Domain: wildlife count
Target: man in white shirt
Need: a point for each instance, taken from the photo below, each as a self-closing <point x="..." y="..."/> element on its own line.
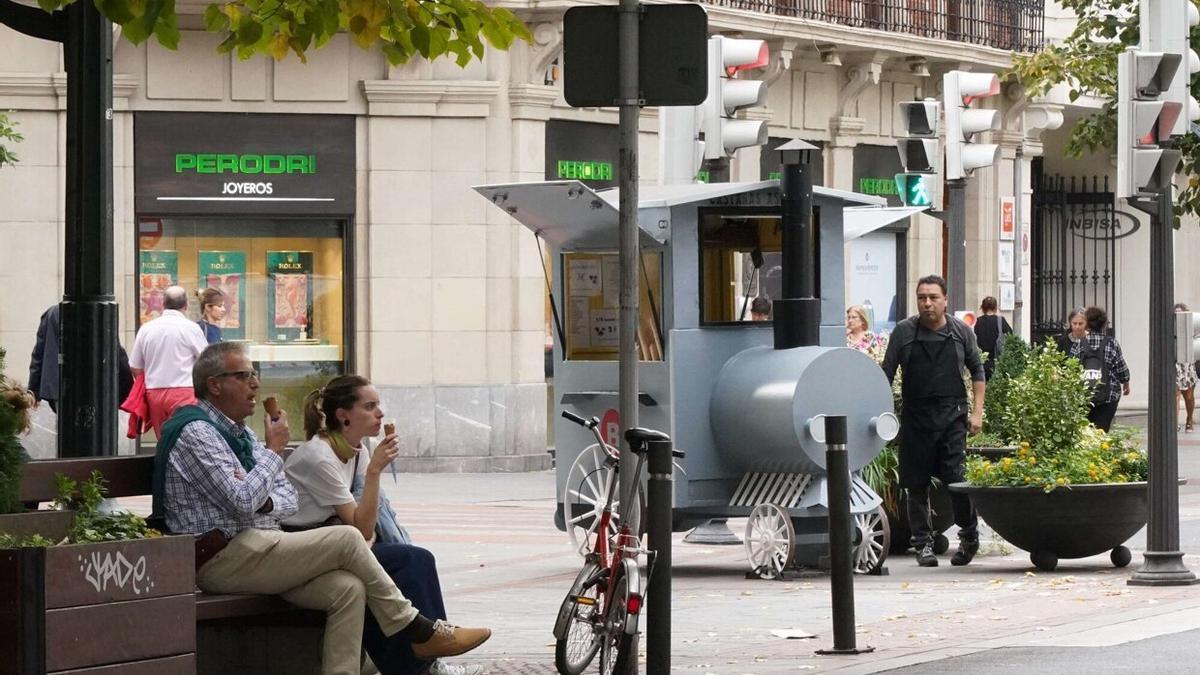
<point x="165" y="351"/>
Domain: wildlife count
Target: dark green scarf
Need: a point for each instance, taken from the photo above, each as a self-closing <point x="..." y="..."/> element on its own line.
<point x="171" y="429"/>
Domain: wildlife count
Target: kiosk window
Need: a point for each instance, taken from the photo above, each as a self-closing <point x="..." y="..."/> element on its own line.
<point x="283" y="281"/>
<point x="740" y="267"/>
<point x="592" y="303"/>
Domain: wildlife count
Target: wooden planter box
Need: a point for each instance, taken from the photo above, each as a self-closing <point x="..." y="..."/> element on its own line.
<point x="117" y="608"/>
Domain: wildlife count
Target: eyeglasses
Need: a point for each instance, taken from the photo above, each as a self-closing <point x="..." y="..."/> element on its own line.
<point x="242" y="375"/>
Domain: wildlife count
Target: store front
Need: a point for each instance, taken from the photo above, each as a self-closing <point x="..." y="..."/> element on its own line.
<point x="260" y="207"/>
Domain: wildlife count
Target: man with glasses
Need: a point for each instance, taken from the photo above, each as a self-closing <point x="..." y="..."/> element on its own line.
<point x="213" y="478"/>
<point x="164" y="352"/>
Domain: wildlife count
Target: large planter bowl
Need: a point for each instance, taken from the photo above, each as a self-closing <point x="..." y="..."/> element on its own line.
<point x="1070" y="522"/>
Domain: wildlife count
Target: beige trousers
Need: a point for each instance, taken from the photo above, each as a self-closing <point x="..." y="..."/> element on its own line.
<point x="329" y="568"/>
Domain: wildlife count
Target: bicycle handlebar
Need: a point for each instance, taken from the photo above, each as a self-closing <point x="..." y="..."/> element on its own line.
<point x="586" y="424"/>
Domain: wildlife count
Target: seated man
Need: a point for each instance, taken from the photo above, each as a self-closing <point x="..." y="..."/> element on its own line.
<point x="214" y="477"/>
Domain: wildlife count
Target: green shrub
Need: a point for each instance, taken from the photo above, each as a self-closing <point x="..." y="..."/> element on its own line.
<point x="1009" y="365"/>
<point x="1047" y="403"/>
<point x="1096" y="457"/>
<point x="14" y="402"/>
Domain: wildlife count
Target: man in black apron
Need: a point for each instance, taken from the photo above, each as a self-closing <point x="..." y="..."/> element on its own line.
<point x="932" y="349"/>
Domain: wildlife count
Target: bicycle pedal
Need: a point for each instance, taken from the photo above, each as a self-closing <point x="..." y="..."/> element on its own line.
<point x="583" y="600"/>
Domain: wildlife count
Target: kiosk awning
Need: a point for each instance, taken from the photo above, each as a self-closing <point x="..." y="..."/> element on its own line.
<point x="860" y="220"/>
<point x="565" y="213"/>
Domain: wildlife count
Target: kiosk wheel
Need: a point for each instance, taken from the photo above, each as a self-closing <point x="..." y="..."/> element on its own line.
<point x="770" y="541"/>
<point x="873" y="541"/>
<point x="584" y="495"/>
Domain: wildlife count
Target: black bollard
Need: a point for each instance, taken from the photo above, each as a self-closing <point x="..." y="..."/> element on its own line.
<point x="841" y="570"/>
<point x="659" y="495"/>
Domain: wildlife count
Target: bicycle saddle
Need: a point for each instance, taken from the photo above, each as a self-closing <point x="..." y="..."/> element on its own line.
<point x="639" y="437"/>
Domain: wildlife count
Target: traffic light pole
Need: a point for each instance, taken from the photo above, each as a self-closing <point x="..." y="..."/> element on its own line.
<point x="955" y="218"/>
<point x="629" y="103"/>
<point x="1163" y="561"/>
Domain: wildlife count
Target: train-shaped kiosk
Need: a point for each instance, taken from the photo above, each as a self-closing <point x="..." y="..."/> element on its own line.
<point x="748" y="415"/>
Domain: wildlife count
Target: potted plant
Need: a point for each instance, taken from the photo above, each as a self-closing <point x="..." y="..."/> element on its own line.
<point x="81" y="588"/>
<point x="1069" y="490"/>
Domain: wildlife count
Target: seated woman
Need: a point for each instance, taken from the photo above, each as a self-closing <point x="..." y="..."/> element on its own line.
<point x="337" y="421"/>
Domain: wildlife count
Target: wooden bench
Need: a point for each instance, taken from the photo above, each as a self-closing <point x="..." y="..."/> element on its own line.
<point x="234" y="633"/>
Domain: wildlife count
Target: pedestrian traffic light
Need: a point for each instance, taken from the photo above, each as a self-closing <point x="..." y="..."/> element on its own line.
<point x="1165" y="27"/>
<point x="960" y="89"/>
<point x="914" y="188"/>
<point x="727" y="94"/>
<point x="919" y="149"/>
<point x="1143" y="118"/>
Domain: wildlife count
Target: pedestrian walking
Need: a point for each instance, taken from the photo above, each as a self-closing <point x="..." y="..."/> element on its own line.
<point x="164" y="352"/>
<point x="1185" y="384"/>
<point x="934" y="349"/>
<point x="1104" y="366"/>
<point x="990" y="331"/>
<point x="43" y="362"/>
<point x="212" y="313"/>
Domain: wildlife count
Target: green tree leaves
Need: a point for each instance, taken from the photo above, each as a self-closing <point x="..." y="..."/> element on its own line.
<point x="8" y="133"/>
<point x="400" y="29"/>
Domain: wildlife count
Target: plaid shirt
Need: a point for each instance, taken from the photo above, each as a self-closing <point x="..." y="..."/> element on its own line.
<point x="206" y="486"/>
<point x="1118" y="371"/>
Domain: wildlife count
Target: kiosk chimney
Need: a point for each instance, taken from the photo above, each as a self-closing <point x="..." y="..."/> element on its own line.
<point x="798" y="312"/>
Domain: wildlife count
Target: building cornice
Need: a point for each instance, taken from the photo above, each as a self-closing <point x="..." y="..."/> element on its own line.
<point x="430" y="98"/>
<point x="532" y="101"/>
<point x="48" y="91"/>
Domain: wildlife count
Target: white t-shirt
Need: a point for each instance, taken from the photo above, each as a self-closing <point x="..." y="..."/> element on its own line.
<point x="321" y="479"/>
<point x="167" y="348"/>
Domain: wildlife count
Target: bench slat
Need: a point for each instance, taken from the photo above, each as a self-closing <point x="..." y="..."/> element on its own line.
<point x="125" y="476"/>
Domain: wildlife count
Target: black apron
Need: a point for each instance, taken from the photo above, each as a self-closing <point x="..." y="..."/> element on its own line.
<point x="934" y="416"/>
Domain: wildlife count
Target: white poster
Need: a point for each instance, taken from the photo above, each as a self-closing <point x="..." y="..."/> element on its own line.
<point x="584" y="277"/>
<point x="1007" y="260"/>
<point x="578" y="323"/>
<point x="873" y="278"/>
<point x="1008" y="297"/>
<point x="612" y="281"/>
<point x="604" y="328"/>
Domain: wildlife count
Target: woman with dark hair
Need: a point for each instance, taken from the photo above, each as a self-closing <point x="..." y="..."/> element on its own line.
<point x="1076" y="329"/>
<point x="1104" y="365"/>
<point x="1185" y="383"/>
<point x="988" y="329"/>
<point x="212" y="312"/>
<point x="338" y="420"/>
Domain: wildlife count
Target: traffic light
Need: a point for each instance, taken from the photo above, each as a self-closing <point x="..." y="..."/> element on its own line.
<point x="915" y="188"/>
<point x="919" y="154"/>
<point x="727" y="94"/>
<point x="960" y="90"/>
<point x="1143" y="119"/>
<point x="1165" y="27"/>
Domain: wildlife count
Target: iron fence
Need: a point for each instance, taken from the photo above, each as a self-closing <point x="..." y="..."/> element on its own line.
<point x="1015" y="25"/>
<point x="1074" y="248"/>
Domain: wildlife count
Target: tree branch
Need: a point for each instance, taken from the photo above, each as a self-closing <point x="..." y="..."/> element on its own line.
<point x="32" y="21"/>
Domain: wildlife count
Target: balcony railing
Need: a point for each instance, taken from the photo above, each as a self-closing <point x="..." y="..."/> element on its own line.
<point x="1015" y="25"/>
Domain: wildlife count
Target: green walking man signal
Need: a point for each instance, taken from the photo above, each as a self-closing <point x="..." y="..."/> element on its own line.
<point x="913" y="188"/>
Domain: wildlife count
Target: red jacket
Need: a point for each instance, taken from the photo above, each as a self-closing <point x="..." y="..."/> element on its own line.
<point x="138" y="408"/>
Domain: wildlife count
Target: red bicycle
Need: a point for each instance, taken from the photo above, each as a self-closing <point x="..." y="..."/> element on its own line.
<point x="601" y="611"/>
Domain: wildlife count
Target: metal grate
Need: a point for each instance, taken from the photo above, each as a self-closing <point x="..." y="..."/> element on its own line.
<point x="784" y="489"/>
<point x="1075" y="228"/>
<point x="1016" y="25"/>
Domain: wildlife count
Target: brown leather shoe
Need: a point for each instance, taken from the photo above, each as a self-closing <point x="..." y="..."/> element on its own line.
<point x="450" y="640"/>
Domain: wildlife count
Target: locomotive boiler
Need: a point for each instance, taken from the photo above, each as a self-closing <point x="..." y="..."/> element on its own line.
<point x="744" y="398"/>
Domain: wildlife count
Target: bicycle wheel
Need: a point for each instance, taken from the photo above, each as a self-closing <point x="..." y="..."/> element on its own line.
<point x="584" y="494"/>
<point x="618" y="649"/>
<point x="577" y="635"/>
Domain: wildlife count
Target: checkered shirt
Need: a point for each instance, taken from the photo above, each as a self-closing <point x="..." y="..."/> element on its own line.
<point x="206" y="486"/>
<point x="1118" y="370"/>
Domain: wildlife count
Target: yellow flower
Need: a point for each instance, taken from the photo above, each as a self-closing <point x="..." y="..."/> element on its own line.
<point x="1062" y="480"/>
<point x="1104" y="445"/>
<point x="1032" y="461"/>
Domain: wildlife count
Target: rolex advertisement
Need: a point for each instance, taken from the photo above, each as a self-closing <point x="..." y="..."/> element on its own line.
<point x="226" y="272"/>
<point x="240" y="163"/>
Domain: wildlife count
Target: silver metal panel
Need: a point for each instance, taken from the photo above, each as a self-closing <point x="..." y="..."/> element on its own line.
<point x="568" y="214"/>
<point x="763" y="400"/>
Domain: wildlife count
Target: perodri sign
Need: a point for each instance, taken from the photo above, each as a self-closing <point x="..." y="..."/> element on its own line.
<point x="1106" y="226"/>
